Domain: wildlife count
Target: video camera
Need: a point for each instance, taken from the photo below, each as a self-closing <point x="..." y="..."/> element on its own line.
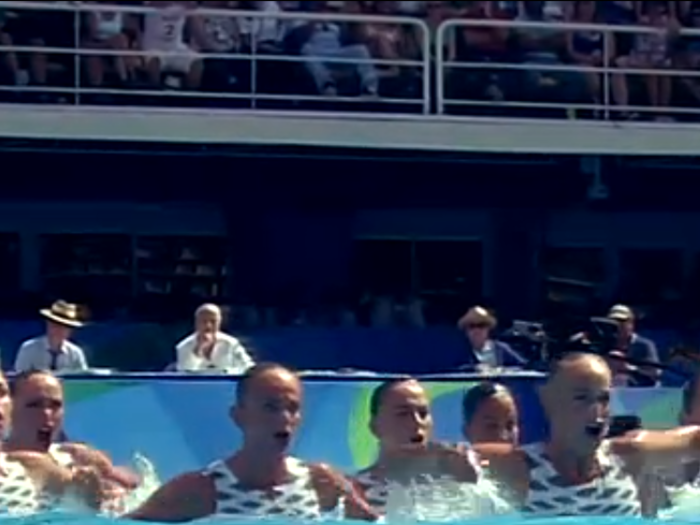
<point x="540" y="343"/>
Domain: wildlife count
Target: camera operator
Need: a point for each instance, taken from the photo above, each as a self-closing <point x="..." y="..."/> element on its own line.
<point x="632" y="346"/>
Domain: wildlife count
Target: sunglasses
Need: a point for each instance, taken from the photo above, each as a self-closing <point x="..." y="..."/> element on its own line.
<point x="473" y="326"/>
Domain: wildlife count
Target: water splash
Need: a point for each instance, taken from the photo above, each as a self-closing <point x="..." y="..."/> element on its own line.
<point x="443" y="500"/>
<point x="150" y="482"/>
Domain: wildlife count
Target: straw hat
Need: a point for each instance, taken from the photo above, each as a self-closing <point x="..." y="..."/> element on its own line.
<point x="621" y="312"/>
<point x="477" y="315"/>
<point x="62" y="313"/>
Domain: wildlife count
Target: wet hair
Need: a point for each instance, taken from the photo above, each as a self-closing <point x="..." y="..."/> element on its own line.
<point x="477" y="395"/>
<point x="253" y="372"/>
<point x="689" y="393"/>
<point x="557" y="365"/>
<point x="23" y="377"/>
<point x="380" y="392"/>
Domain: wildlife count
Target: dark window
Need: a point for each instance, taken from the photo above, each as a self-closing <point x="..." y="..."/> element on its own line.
<point x="651" y="281"/>
<point x="93" y="270"/>
<point x="383" y="267"/>
<point x="449" y="278"/>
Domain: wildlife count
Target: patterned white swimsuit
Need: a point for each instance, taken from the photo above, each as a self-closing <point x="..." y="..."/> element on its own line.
<point x="296" y="499"/>
<point x="614" y="493"/>
<point x="18" y="493"/>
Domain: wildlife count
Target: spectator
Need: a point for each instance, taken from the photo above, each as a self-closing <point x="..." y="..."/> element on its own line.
<point x="652" y="51"/>
<point x="632" y="345"/>
<point x="54" y="351"/>
<point x="328" y="40"/>
<point x="587" y="48"/>
<point x="108" y="30"/>
<point x="9" y="67"/>
<point x="210" y="349"/>
<point x="164" y="34"/>
<point x="485" y="352"/>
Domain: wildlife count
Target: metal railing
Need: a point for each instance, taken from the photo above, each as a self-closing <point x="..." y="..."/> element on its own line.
<point x="610" y="67"/>
<point x="254" y="56"/>
<point x="436" y="72"/>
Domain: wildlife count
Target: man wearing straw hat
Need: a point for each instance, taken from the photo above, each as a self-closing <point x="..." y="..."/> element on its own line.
<point x="54" y="351"/>
<point x="485" y="352"/>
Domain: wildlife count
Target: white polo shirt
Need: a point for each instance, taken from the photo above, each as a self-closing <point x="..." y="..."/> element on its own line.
<point x="228" y="355"/>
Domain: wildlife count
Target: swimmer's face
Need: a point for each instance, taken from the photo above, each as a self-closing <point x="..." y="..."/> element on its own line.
<point x="271" y="411"/>
<point x="38" y="407"/>
<point x="207" y="323"/>
<point x="403" y="417"/>
<point x="495" y="421"/>
<point x="577" y="398"/>
<point x="5" y="405"/>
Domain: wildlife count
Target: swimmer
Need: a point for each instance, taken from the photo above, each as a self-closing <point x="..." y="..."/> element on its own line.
<point x="29" y="481"/>
<point x="402" y="423"/>
<point x="577" y="471"/>
<point x="490" y="415"/>
<point x="261" y="478"/>
<point x="37" y="423"/>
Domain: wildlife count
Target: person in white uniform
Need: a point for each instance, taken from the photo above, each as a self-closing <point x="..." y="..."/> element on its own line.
<point x="577" y="470"/>
<point x="31" y="481"/>
<point x="261" y="479"/>
<point x="164" y="40"/>
<point x="208" y="348"/>
<point x="54" y="351"/>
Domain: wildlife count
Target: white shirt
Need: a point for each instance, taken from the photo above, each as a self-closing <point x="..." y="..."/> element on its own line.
<point x="228" y="355"/>
<point x="264" y="29"/>
<point x="35" y="354"/>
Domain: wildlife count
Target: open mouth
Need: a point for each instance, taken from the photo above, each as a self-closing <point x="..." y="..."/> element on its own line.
<point x="417" y="439"/>
<point x="283" y="435"/>
<point x="45" y="436"/>
<point x="597" y="429"/>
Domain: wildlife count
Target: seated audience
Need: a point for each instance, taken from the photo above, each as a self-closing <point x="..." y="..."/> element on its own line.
<point x="53" y="351"/>
<point x="208" y="348"/>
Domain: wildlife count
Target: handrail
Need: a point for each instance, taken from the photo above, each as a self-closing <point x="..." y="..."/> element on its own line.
<point x="606" y="71"/>
<point x="79" y="7"/>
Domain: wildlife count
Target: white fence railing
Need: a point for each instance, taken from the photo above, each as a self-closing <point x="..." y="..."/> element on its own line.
<point x="435" y="67"/>
<point x="254" y="55"/>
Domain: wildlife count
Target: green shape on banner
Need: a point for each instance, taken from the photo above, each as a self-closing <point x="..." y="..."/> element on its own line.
<point x="361" y="442"/>
<point x="662" y="413"/>
<point x="77" y="391"/>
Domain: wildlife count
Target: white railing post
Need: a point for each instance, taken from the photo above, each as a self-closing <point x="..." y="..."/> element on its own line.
<point x="439" y="66"/>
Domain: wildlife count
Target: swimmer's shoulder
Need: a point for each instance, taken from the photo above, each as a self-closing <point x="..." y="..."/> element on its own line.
<point x="187" y="497"/>
<point x="331" y="485"/>
<point x="506" y="463"/>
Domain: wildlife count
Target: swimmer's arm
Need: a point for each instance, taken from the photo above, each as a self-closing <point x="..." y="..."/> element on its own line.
<point x="650" y="449"/>
<point x="55" y="479"/>
<point x="332" y="487"/>
<point x="188" y="497"/>
<point x="85" y="455"/>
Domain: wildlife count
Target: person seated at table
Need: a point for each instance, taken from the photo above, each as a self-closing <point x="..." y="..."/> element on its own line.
<point x="485" y="352"/>
<point x="37" y="425"/>
<point x="401" y="420"/>
<point x="261" y="478"/>
<point x="490" y="415"/>
<point x="54" y="351"/>
<point x="208" y="348"/>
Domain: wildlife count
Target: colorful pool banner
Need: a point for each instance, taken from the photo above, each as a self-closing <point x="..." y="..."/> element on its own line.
<point x="183" y="425"/>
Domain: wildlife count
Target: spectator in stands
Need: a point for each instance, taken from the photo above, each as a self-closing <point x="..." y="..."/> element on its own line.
<point x="490" y="415"/>
<point x="109" y="30"/>
<point x="543" y="47"/>
<point x="587" y="48"/>
<point x="632" y="345"/>
<point x="222" y="36"/>
<point x="686" y="90"/>
<point x="485" y="352"/>
<point x="208" y="348"/>
<point x="164" y="33"/>
<point x="652" y="51"/>
<point x="326" y="41"/>
<point x="54" y="351"/>
<point x="394" y="42"/>
<point x="9" y="67"/>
